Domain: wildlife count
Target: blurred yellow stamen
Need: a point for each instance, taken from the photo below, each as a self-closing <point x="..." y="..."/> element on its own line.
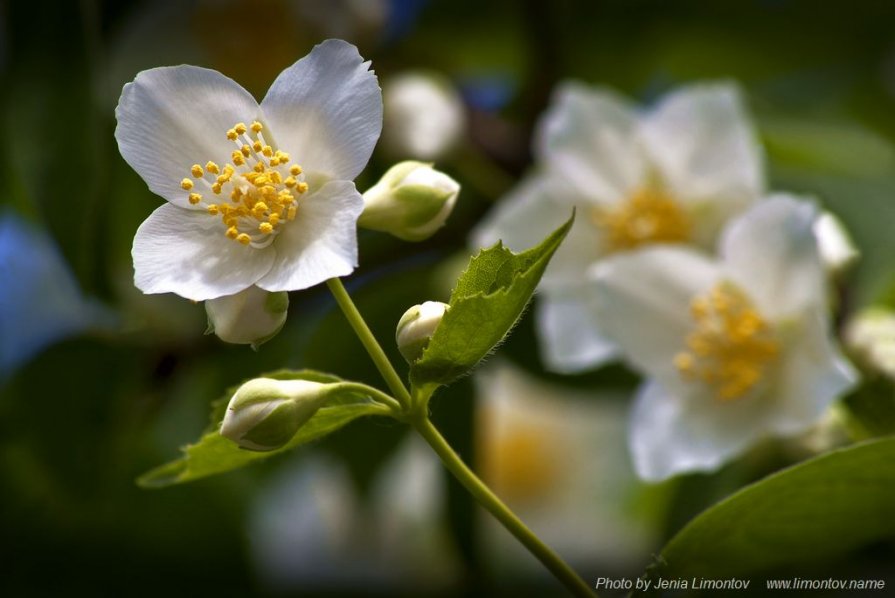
<point x="648" y="216"/>
<point x="731" y="347"/>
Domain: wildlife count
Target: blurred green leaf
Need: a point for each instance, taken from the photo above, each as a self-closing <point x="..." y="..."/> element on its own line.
<point x="825" y="506"/>
<point x="833" y="147"/>
<point x="489" y="298"/>
<point x="871" y="408"/>
<point x="214" y="454"/>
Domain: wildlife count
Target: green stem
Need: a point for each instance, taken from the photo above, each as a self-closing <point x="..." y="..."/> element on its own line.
<point x="366" y="337"/>
<point x="500" y="511"/>
<point x="377" y="395"/>
<point x="448" y="457"/>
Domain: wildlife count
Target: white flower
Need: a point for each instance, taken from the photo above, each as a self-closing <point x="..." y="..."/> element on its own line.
<point x="424" y="116"/>
<point x="557" y="457"/>
<point x="735" y="349"/>
<point x="311" y="529"/>
<point x="269" y="203"/>
<point x="672" y="174"/>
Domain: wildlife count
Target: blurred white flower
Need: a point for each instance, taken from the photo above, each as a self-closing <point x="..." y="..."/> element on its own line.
<point x="241" y="210"/>
<point x="735" y="350"/>
<point x="672" y="174"/>
<point x="870" y="335"/>
<point x="558" y="458"/>
<point x="424" y="115"/>
<point x="837" y="250"/>
<point x="310" y="530"/>
<point x="250" y="317"/>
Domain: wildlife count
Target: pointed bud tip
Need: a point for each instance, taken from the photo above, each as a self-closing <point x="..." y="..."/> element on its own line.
<point x="264" y="413"/>
<point x="417" y="326"/>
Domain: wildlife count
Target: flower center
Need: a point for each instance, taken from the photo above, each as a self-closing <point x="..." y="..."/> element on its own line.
<point x="255" y="194"/>
<point x="731" y="346"/>
<point x="647" y="216"/>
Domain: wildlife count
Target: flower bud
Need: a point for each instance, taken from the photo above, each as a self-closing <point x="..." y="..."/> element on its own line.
<point x="417" y="326"/>
<point x="423" y="116"/>
<point x="870" y="336"/>
<point x="250" y="317"/>
<point x="837" y="251"/>
<point x="264" y="414"/>
<point x="411" y="201"/>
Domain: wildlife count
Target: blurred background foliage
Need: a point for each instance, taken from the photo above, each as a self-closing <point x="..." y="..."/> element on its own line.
<point x="98" y="383"/>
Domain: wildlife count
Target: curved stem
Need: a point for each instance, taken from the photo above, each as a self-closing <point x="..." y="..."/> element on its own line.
<point x="366" y="337"/>
<point x="449" y="458"/>
<point x="377" y="395"/>
<point x="500" y="511"/>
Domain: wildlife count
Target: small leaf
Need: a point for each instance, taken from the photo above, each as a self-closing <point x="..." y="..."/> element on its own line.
<point x="489" y="297"/>
<point x="827" y="505"/>
<point x="214" y="454"/>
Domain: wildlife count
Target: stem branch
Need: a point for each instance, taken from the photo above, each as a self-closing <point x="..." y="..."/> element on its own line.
<point x="500" y="511"/>
<point x="421" y="422"/>
<point x="366" y="337"/>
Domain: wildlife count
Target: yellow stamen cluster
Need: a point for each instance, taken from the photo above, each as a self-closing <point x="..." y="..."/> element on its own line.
<point x="259" y="188"/>
<point x="731" y="346"/>
<point x="648" y="216"/>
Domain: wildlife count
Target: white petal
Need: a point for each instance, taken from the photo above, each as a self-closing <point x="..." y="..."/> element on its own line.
<point x="571" y="340"/>
<point x="704" y="146"/>
<point x="643" y="302"/>
<point x="320" y="243"/>
<point x="173" y="117"/>
<point x="837" y="250"/>
<point x="671" y="434"/>
<point x="186" y="252"/>
<point x="326" y="110"/>
<point x="534" y="209"/>
<point x="772" y="252"/>
<point x="813" y="375"/>
<point x="589" y="137"/>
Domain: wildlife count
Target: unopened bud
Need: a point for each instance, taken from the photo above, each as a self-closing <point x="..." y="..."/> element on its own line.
<point x="837" y="251"/>
<point x="424" y="116"/>
<point x="870" y="336"/>
<point x="264" y="414"/>
<point x="411" y="201"/>
<point x="417" y="326"/>
<point x="250" y="317"/>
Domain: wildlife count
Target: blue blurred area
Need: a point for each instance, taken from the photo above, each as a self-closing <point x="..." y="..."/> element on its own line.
<point x="40" y="302"/>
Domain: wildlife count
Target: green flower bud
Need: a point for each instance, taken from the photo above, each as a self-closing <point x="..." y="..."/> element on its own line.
<point x="417" y="326"/>
<point x="250" y="317"/>
<point x="411" y="201"/>
<point x="264" y="414"/>
<point x="870" y="337"/>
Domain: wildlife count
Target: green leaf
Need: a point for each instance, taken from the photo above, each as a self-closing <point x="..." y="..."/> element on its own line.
<point x="489" y="298"/>
<point x="214" y="454"/>
<point x="824" y="506"/>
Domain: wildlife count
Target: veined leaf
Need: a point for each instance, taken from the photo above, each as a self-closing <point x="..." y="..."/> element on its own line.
<point x="827" y="505"/>
<point x="214" y="454"/>
<point x="489" y="297"/>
